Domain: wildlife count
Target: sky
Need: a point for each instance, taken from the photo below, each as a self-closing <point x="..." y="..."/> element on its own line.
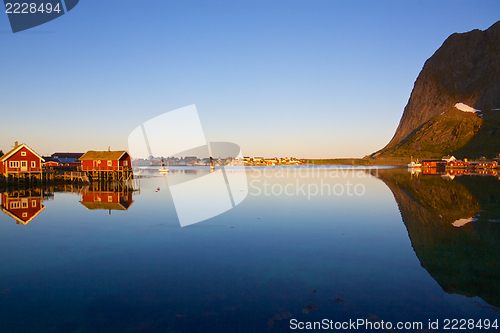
<point x="308" y="79"/>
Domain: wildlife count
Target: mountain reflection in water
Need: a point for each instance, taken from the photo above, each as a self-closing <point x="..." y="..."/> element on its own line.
<point x="451" y="222"/>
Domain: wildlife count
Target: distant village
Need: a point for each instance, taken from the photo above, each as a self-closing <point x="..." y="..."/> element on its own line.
<point x="196" y="161"/>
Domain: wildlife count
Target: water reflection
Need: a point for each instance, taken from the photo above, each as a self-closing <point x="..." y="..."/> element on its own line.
<point x="23" y="205"/>
<point x="452" y="220"/>
<point x="107" y="196"/>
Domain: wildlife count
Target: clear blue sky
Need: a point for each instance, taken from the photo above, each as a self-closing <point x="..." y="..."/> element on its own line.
<point x="279" y="78"/>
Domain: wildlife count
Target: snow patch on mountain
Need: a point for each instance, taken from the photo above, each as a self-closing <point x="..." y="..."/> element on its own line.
<point x="465" y="108"/>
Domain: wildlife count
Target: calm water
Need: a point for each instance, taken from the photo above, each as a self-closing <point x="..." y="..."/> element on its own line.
<point x="324" y="244"/>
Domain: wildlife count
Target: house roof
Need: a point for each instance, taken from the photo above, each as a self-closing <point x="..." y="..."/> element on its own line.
<point x="67" y="155"/>
<point x="69" y="160"/>
<point x="93" y="155"/>
<point x="51" y="159"/>
<point x="20" y="219"/>
<point x="16" y="149"/>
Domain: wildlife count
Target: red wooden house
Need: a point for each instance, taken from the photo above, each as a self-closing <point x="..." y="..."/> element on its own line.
<point x="105" y="161"/>
<point x="24" y="208"/>
<point x="456" y="164"/>
<point x="482" y="164"/>
<point x="21" y="160"/>
<point x="433" y="164"/>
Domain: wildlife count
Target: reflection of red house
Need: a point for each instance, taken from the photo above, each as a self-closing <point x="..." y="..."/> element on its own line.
<point x="458" y="172"/>
<point x="432" y="171"/>
<point x="105" y="161"/>
<point x="21" y="160"/>
<point x="483" y="172"/>
<point x="23" y="209"/>
<point x="108" y="200"/>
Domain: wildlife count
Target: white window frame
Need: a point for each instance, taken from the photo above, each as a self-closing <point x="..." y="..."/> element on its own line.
<point x="110" y="163"/>
<point x="33" y="203"/>
<point x="23" y="153"/>
<point x="15" y="205"/>
<point x="33" y="164"/>
<point x="13" y="164"/>
<point x="125" y="163"/>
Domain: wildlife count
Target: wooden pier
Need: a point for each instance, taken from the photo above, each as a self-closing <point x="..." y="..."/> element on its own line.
<point x="27" y="179"/>
<point x="109" y="175"/>
<point x="75" y="175"/>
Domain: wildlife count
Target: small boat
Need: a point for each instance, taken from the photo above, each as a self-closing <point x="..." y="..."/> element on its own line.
<point x="162" y="169"/>
<point x="413" y="164"/>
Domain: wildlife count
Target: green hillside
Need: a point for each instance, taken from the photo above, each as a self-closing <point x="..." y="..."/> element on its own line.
<point x="452" y="133"/>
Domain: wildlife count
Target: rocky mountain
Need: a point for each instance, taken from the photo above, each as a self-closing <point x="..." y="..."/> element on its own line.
<point x="454" y="107"/>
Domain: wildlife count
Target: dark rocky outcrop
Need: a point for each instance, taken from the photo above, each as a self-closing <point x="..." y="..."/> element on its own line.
<point x="465" y="69"/>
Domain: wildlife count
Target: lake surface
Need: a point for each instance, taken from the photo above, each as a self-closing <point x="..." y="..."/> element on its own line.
<point x="327" y="243"/>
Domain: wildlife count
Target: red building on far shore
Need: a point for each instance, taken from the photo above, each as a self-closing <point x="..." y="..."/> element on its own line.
<point x="482" y="164"/>
<point x="456" y="164"/>
<point x="433" y="164"/>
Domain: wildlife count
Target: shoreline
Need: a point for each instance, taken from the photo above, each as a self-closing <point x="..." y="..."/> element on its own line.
<point x="358" y="161"/>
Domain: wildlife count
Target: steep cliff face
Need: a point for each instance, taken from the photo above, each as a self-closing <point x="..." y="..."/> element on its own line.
<point x="465" y="69"/>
